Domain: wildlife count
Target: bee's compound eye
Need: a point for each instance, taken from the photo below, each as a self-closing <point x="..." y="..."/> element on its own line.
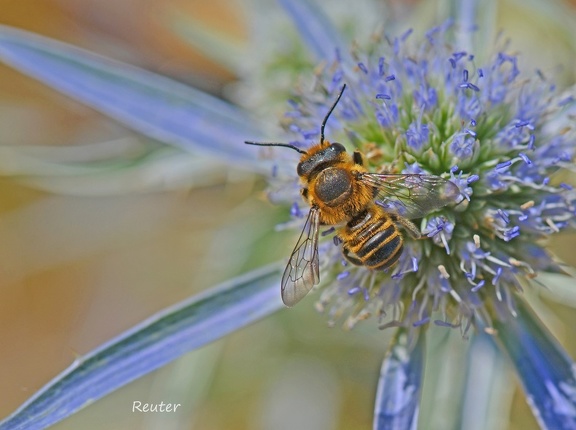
<point x="304" y="168"/>
<point x="338" y="147"/>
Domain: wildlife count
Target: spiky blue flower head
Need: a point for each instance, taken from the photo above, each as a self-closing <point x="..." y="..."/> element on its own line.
<point x="426" y="106"/>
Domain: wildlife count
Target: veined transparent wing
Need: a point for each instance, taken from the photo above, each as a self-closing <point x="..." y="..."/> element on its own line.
<point x="411" y="195"/>
<point x="302" y="271"/>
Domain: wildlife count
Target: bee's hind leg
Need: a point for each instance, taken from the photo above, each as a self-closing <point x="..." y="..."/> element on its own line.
<point x="409" y="226"/>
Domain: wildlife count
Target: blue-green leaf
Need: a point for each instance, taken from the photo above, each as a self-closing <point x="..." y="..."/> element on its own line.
<point x="488" y="390"/>
<point x="547" y="373"/>
<point x="444" y="380"/>
<point x="150" y="104"/>
<point x="399" y="386"/>
<point x="150" y="345"/>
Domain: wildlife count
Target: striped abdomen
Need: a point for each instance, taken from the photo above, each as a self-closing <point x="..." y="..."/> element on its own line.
<point x="373" y="238"/>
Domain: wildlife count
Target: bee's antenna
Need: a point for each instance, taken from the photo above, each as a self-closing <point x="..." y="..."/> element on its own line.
<point x="287" y="145"/>
<point x="329" y="113"/>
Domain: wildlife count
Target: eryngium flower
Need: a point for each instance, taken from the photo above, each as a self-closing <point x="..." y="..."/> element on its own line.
<point x="428" y="107"/>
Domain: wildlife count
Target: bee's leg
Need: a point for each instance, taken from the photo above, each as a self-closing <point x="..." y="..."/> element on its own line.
<point x="358" y="159"/>
<point x="409" y="226"/>
<point x="347" y="255"/>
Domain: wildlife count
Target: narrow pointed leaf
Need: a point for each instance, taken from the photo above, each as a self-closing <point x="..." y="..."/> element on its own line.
<point x="547" y="373"/>
<point x="488" y="389"/>
<point x="103" y="169"/>
<point x="559" y="287"/>
<point x="443" y="384"/>
<point x="318" y="33"/>
<point x="150" y="104"/>
<point x="399" y="386"/>
<point x="150" y="345"/>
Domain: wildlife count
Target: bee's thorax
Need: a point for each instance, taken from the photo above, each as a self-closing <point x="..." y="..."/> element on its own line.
<point x="333" y="185"/>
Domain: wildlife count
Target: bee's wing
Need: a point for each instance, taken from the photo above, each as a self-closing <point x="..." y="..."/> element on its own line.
<point x="411" y="195"/>
<point x="302" y="271"/>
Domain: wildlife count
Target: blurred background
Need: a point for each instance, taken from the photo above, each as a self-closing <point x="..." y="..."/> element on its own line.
<point x="77" y="268"/>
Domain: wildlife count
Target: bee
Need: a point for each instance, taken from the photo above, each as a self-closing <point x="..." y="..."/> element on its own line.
<point x="367" y="208"/>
